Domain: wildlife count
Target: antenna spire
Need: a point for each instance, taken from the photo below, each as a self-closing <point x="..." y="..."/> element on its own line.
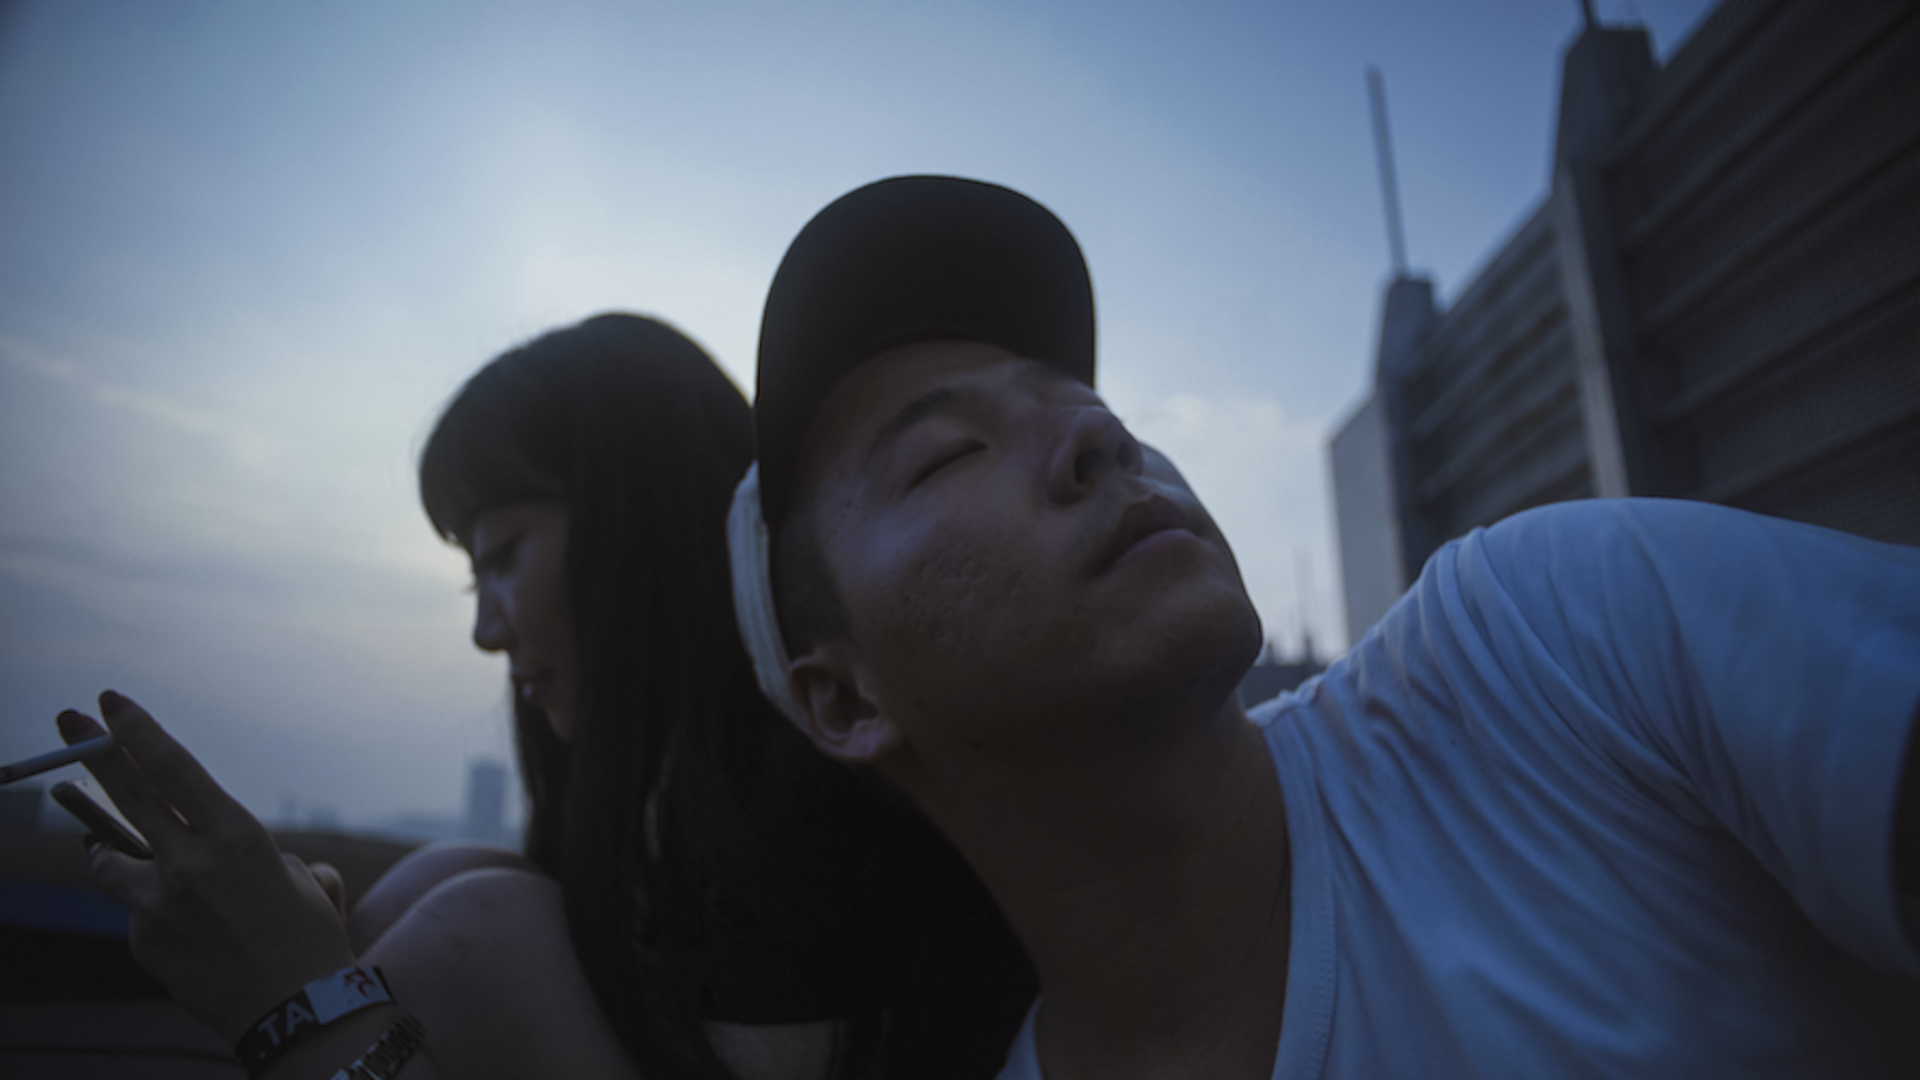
<point x="1389" y="187"/>
<point x="1301" y="575"/>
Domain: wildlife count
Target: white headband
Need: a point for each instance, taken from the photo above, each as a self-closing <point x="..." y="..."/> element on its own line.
<point x="748" y="549"/>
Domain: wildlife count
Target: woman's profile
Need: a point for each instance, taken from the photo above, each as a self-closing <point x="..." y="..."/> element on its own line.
<point x="701" y="893"/>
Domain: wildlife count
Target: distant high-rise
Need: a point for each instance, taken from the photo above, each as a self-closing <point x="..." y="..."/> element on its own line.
<point x="1719" y="299"/>
<point x="486" y="800"/>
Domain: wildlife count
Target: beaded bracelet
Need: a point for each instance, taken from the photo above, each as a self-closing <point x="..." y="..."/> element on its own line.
<point x="310" y="1009"/>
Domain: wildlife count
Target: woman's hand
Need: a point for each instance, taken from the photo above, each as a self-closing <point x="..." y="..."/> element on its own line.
<point x="219" y="915"/>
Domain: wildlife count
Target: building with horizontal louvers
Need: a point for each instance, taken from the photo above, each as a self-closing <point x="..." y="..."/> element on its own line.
<point x="1718" y="299"/>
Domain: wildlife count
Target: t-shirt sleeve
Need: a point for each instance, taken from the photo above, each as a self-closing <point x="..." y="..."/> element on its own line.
<point x="1770" y="671"/>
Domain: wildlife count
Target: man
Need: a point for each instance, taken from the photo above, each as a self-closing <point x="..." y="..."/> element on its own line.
<point x="1612" y="791"/>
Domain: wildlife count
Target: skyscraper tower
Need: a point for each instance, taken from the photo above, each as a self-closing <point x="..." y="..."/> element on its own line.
<point x="486" y="800"/>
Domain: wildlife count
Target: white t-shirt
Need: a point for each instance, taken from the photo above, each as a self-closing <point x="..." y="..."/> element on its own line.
<point x="1609" y="792"/>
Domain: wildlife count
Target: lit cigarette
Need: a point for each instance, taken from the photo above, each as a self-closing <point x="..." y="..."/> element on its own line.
<point x="53" y="759"/>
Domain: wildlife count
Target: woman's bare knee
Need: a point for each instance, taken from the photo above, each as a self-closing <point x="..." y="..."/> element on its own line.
<point x="485" y="962"/>
<point x="413" y="877"/>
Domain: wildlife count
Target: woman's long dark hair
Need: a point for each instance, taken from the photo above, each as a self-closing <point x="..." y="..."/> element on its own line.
<point x="756" y="834"/>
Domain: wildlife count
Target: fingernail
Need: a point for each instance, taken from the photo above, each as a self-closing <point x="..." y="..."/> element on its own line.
<point x="110" y="701"/>
<point x="72" y="724"/>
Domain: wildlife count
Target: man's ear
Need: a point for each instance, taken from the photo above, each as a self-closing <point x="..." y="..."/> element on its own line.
<point x="843" y="721"/>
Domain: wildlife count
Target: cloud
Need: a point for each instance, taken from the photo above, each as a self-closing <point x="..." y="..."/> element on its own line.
<point x="1259" y="428"/>
<point x="244" y="443"/>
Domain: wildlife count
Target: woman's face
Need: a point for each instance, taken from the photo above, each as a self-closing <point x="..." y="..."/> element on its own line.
<point x="519" y="554"/>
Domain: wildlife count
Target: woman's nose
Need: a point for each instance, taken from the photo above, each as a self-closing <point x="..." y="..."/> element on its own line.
<point x="1093" y="444"/>
<point x="492" y="631"/>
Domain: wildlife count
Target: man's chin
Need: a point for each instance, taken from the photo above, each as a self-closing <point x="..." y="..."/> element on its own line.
<point x="1190" y="656"/>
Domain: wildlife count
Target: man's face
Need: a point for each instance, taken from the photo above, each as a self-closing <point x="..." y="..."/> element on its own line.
<point x="1002" y="552"/>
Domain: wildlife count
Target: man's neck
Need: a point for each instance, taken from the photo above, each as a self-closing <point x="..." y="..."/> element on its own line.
<point x="1150" y="886"/>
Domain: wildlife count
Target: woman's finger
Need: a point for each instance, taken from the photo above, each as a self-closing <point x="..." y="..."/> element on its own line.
<point x="121" y="876"/>
<point x="174" y="774"/>
<point x="124" y="782"/>
<point x="101" y="825"/>
<point x="330" y="883"/>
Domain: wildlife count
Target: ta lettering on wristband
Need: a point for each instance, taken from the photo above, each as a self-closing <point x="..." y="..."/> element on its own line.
<point x="300" y="1017"/>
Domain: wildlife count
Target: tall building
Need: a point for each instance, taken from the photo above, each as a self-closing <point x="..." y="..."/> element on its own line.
<point x="486" y="801"/>
<point x="1718" y="299"/>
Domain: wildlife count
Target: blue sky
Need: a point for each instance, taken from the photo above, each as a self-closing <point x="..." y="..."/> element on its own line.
<point x="248" y="250"/>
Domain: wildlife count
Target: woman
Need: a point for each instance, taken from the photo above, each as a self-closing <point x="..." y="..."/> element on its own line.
<point x="588" y="475"/>
<point x="702" y="893"/>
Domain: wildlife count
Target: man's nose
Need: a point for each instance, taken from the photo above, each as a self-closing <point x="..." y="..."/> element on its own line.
<point x="1093" y="444"/>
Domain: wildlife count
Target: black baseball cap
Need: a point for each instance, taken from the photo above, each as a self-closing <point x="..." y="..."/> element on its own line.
<point x="912" y="258"/>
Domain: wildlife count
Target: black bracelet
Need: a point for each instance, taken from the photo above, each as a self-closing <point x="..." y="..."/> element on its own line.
<point x="388" y="1053"/>
<point x="307" y="1012"/>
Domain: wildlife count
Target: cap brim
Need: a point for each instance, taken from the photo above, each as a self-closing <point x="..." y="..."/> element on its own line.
<point x="912" y="258"/>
